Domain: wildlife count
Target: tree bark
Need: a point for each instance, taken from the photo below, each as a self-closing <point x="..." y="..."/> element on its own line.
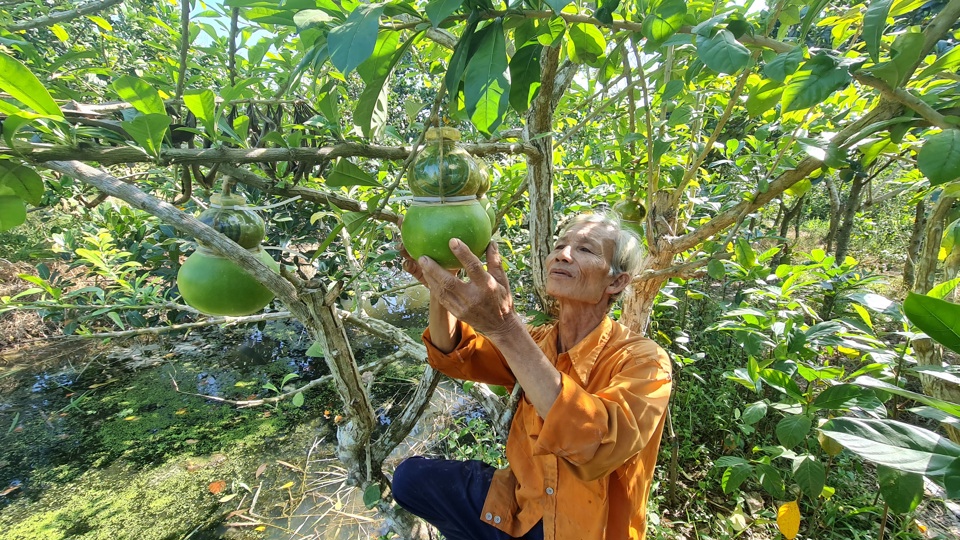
<point x="835" y="213"/>
<point x="913" y="246"/>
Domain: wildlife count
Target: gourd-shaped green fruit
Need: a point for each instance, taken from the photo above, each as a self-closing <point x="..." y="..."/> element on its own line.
<point x="215" y="285"/>
<point x="490" y="210"/>
<point x="228" y="215"/>
<point x="428" y="227"/>
<point x="443" y="168"/>
<point x="483" y="176"/>
<point x="631" y="212"/>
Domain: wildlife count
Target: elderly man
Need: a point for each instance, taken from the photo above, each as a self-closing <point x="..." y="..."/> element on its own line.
<point x="585" y="436"/>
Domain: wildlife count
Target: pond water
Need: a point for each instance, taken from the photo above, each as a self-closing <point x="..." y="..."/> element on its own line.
<point x="124" y="439"/>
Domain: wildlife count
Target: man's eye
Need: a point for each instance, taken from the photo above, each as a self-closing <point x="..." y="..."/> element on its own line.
<point x="586" y="250"/>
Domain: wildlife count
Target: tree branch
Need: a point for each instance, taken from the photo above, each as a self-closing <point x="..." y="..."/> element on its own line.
<point x="61" y="16"/>
<point x="109" y="155"/>
<point x="904" y="97"/>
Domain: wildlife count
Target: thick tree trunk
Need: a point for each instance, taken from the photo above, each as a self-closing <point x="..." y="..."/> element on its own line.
<point x="926" y="350"/>
<point x="835" y="211"/>
<point x="913" y="246"/>
<point x="638" y="302"/>
<point x="845" y="230"/>
<point x="788" y="216"/>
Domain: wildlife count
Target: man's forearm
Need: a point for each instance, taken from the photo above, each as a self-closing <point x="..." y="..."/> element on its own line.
<point x="444" y="330"/>
<point x="539" y="378"/>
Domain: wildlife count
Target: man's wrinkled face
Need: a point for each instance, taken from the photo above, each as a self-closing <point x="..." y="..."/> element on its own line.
<point x="578" y="269"/>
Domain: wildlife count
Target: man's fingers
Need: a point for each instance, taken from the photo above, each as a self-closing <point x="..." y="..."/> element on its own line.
<point x="471" y="264"/>
<point x="495" y="265"/>
<point x="436" y="275"/>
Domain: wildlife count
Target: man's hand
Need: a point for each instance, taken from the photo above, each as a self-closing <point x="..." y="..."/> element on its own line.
<point x="484" y="302"/>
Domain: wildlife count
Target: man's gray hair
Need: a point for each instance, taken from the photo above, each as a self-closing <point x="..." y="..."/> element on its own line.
<point x="628" y="251"/>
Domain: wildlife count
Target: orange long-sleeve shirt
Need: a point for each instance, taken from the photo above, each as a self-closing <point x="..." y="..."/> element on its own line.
<point x="585" y="469"/>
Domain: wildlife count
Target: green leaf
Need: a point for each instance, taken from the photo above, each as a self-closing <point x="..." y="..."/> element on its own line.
<point x="941" y="290"/>
<point x="316" y="350"/>
<point x="371" y="495"/>
<point x="839" y="397"/>
<point x="903" y="491"/>
<point x="901" y="446"/>
<point x="353" y="41"/>
<point x="371" y="111"/>
<point x="461" y="53"/>
<point x="874" y="23"/>
<point x="945" y="406"/>
<point x="754" y="412"/>
<point x="810" y="475"/>
<point x="525" y="76"/>
<point x="345" y="173"/>
<point x="13" y="212"/>
<point x="148" y="131"/>
<point x="24" y="181"/>
<point x="298" y="399"/>
<point x="352" y="221"/>
<point x="784" y="65"/>
<point x="793" y="429"/>
<point x="734" y="476"/>
<point x="604" y="12"/>
<point x="782" y="382"/>
<point x="549" y="34"/>
<point x="203" y="105"/>
<point x="763" y="98"/>
<point x="949" y="62"/>
<point x="312" y="17"/>
<point x="951" y="480"/>
<point x="939" y="157"/>
<point x="722" y="52"/>
<point x="715" y="269"/>
<point x="586" y="44"/>
<point x="115" y="317"/>
<point x="938" y="319"/>
<point x="19" y="82"/>
<point x="486" y="90"/>
<point x="811" y="86"/>
<point x="905" y="52"/>
<point x="664" y="21"/>
<point x="771" y="480"/>
<point x="744" y="253"/>
<point x="438" y="10"/>
<point x="139" y="94"/>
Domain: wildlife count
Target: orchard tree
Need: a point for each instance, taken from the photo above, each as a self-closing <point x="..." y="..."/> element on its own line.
<point x="696" y="120"/>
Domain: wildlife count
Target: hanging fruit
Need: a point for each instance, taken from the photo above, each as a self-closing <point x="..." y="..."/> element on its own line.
<point x="428" y="227"/>
<point x="215" y="285"/>
<point x="443" y="168"/>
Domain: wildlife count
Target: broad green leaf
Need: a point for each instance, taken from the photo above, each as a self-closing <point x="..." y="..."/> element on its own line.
<point x="61" y="33"/>
<point x="771" y="480"/>
<point x="139" y="94"/>
<point x="936" y="414"/>
<point x="346" y="173"/>
<point x="951" y="480"/>
<point x="148" y="131"/>
<point x="744" y="253"/>
<point x="729" y="461"/>
<point x="943" y="289"/>
<point x="819" y="78"/>
<point x="525" y="76"/>
<point x="438" y="10"/>
<point x="784" y="65"/>
<point x="763" y="98"/>
<point x="461" y="53"/>
<point x="715" y="269"/>
<point x="353" y="41"/>
<point x="371" y="495"/>
<point x="903" y="491"/>
<point x="298" y="399"/>
<point x="586" y="44"/>
<point x="874" y="23"/>
<point x="316" y="350"/>
<point x="754" y="412"/>
<point x="101" y="22"/>
<point x="938" y="319"/>
<point x="550" y="33"/>
<point x="605" y="9"/>
<point x="22" y="85"/>
<point x="810" y="475"/>
<point x="722" y="52"/>
<point x="312" y="17"/>
<point x="352" y="221"/>
<point x="898" y="445"/>
<point x="13" y="212"/>
<point x="371" y="111"/>
<point x="734" y="476"/>
<point x="905" y="52"/>
<point x="24" y="181"/>
<point x="945" y="406"/>
<point x="681" y="115"/>
<point x="486" y="90"/>
<point x="939" y="157"/>
<point x="203" y="105"/>
<point x="664" y="21"/>
<point x="793" y="429"/>
<point x="782" y="382"/>
<point x="839" y="397"/>
<point x="949" y="62"/>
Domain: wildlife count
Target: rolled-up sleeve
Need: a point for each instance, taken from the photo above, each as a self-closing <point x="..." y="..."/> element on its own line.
<point x="597" y="431"/>
<point x="474" y="358"/>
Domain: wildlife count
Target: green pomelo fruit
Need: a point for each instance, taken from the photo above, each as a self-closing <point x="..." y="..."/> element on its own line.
<point x="216" y="286"/>
<point x="13" y="212"/>
<point x="631" y="212"/>
<point x="490" y="210"/>
<point x="428" y="228"/>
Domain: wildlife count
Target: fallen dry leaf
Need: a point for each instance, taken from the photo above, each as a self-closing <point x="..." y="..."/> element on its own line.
<point x="217" y="487"/>
<point x="260" y="470"/>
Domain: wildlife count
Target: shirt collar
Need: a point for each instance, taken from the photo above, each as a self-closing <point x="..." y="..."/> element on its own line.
<point x="584" y="354"/>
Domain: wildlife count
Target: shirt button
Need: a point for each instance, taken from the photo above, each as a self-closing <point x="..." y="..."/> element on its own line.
<point x="488" y="517"/>
<point x="496" y="519"/>
<point x="549" y="491"/>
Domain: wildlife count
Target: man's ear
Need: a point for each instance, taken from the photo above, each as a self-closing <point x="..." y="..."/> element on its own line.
<point x="618" y="284"/>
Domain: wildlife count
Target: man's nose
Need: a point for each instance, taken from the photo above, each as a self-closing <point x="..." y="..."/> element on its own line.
<point x="564" y="253"/>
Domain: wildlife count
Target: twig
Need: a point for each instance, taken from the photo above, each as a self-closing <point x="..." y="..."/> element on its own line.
<point x="157" y="330"/>
<point x="62" y="16"/>
<point x="906" y="98"/>
<point x="184" y="46"/>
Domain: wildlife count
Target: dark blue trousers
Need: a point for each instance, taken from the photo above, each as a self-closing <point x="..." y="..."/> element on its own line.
<point x="449" y="495"/>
